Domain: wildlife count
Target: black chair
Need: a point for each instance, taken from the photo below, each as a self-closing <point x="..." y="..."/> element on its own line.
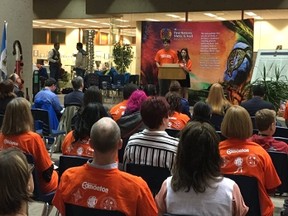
<point x="91" y="79"/>
<point x="37" y="194"/>
<point x="280" y="162"/>
<point x="105" y="85"/>
<point x="173" y="132"/>
<point x="42" y="122"/>
<point x="118" y="84"/>
<point x="281" y="132"/>
<point x="73" y="210"/>
<point x="216" y="120"/>
<point x="221" y="136"/>
<point x="249" y="190"/>
<point x="1" y="120"/>
<point x="135" y="78"/>
<point x="68" y="161"/>
<point x="154" y="176"/>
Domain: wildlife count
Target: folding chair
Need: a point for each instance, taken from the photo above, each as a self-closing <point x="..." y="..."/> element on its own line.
<point x="37" y="194"/>
<point x="280" y="162"/>
<point x="154" y="176"/>
<point x="43" y="127"/>
<point x="281" y="132"/>
<point x="105" y="83"/>
<point x="68" y="161"/>
<point x="73" y="210"/>
<point x="173" y="132"/>
<point x="118" y="84"/>
<point x="249" y="190"/>
<point x="135" y="78"/>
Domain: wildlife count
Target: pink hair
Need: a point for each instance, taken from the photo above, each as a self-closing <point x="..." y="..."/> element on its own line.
<point x="135" y="101"/>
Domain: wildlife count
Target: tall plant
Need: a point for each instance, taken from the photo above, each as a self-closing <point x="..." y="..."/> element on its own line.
<point x="122" y="54"/>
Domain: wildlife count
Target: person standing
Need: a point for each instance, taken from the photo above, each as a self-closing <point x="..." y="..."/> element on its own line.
<point x="42" y="72"/>
<point x="54" y="62"/>
<point x="81" y="60"/>
<point x="165" y="56"/>
<point x="186" y="63"/>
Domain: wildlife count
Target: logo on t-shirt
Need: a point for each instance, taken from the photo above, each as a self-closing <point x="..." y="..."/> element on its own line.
<point x="90" y="186"/>
<point x="91" y="202"/>
<point x="108" y="203"/>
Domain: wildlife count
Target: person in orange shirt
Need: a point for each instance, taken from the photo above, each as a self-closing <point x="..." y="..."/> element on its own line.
<point x="100" y="184"/>
<point x="243" y="157"/>
<point x="17" y="132"/>
<point x="186" y="64"/>
<point x="164" y="56"/>
<point x="119" y="109"/>
<point x="77" y="142"/>
<point x="177" y="120"/>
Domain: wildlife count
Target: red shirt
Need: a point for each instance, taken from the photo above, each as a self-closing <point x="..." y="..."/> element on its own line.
<point x="163" y="56"/>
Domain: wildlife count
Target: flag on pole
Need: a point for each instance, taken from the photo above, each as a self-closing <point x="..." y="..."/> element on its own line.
<point x="3" y="53"/>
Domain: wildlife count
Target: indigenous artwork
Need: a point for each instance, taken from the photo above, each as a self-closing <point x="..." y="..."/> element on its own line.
<point x="220" y="51"/>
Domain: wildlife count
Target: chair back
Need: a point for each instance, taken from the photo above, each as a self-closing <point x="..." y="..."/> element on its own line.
<point x="173" y="132"/>
<point x="68" y="161"/>
<point x="154" y="176"/>
<point x="91" y="79"/>
<point x="281" y="132"/>
<point x="105" y="82"/>
<point x="41" y="121"/>
<point x="216" y="120"/>
<point x="37" y="194"/>
<point x="119" y="80"/>
<point x="249" y="190"/>
<point x="135" y="78"/>
<point x="73" y="210"/>
<point x="280" y="162"/>
<point x="221" y="136"/>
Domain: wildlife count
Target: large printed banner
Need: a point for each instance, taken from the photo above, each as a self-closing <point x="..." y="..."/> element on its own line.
<point x="220" y="51"/>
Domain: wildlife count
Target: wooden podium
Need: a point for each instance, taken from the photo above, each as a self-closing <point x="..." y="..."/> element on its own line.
<point x="171" y="72"/>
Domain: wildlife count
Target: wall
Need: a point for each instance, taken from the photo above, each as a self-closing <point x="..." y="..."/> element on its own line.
<point x="19" y="15"/>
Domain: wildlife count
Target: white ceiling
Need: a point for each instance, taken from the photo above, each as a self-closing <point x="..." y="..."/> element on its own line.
<point x="127" y="22"/>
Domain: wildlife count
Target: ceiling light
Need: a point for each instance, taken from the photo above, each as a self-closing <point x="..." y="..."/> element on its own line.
<point x="40" y="22"/>
<point x="70" y="27"/>
<point x="90" y="20"/>
<point x="173" y="15"/>
<point x="35" y="25"/>
<point x="154" y="20"/>
<point x="80" y="24"/>
<point x="258" y="17"/>
<point x="54" y="24"/>
<point x="106" y="23"/>
<point x="220" y="18"/>
<point x="121" y="20"/>
<point x="47" y="27"/>
<point x="63" y="21"/>
<point x="210" y="14"/>
<point x="249" y="13"/>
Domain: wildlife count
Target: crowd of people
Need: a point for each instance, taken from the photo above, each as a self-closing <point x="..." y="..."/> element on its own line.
<point x="134" y="131"/>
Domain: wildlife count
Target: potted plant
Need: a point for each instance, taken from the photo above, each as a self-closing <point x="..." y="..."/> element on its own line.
<point x="122" y="54"/>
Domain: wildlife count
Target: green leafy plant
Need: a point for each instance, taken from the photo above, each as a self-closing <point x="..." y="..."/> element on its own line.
<point x="122" y="54"/>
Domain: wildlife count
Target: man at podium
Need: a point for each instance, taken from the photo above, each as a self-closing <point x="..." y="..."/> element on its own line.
<point x="165" y="56"/>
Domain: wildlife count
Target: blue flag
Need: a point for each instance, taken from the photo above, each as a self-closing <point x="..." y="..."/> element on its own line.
<point x="3" y="53"/>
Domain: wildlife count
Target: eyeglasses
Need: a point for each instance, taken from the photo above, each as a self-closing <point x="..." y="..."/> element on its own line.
<point x="31" y="167"/>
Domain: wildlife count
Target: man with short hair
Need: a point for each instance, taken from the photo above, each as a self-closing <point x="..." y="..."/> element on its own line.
<point x="152" y="146"/>
<point x="119" y="109"/>
<point x="257" y="102"/>
<point x="265" y="120"/>
<point x="100" y="184"/>
<point x="75" y="98"/>
<point x="54" y="62"/>
<point x="81" y="60"/>
<point x="17" y="82"/>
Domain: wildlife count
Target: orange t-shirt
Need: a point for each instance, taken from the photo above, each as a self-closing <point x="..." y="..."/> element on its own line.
<point x="33" y="144"/>
<point x="80" y="148"/>
<point x="163" y="56"/>
<point x="108" y="188"/>
<point x="118" y="110"/>
<point x="188" y="64"/>
<point x="178" y="121"/>
<point x="242" y="157"/>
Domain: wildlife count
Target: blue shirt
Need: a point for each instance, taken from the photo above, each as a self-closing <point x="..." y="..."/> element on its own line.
<point x="46" y="95"/>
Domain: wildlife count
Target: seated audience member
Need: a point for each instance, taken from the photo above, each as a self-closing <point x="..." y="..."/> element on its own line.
<point x="17" y="131"/>
<point x="116" y="190"/>
<point x="131" y="122"/>
<point x="118" y="110"/>
<point x="265" y="121"/>
<point x="77" y="142"/>
<point x="243" y="157"/>
<point x="6" y="94"/>
<point x="217" y="100"/>
<point x="48" y="100"/>
<point x="17" y="185"/>
<point x="42" y="72"/>
<point x="17" y="82"/>
<point x="153" y="146"/>
<point x="150" y="90"/>
<point x="201" y="112"/>
<point x="75" y="98"/>
<point x="176" y="87"/>
<point x="286" y="114"/>
<point x="197" y="179"/>
<point x="257" y="102"/>
<point x="177" y="120"/>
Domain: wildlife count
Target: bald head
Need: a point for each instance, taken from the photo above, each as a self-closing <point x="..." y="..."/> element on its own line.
<point x="105" y="135"/>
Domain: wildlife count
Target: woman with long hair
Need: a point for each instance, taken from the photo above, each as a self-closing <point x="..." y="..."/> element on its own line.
<point x="17" y="131"/>
<point x="76" y="142"/>
<point x="6" y="94"/>
<point x="17" y="184"/>
<point x="196" y="186"/>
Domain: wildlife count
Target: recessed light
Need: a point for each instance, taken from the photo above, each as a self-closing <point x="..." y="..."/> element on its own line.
<point x="210" y="14"/>
<point x="173" y="15"/>
<point x="121" y="20"/>
<point x="90" y="20"/>
<point x="40" y="22"/>
<point x="150" y="19"/>
<point x="220" y="18"/>
<point x="250" y="13"/>
<point x="63" y="21"/>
